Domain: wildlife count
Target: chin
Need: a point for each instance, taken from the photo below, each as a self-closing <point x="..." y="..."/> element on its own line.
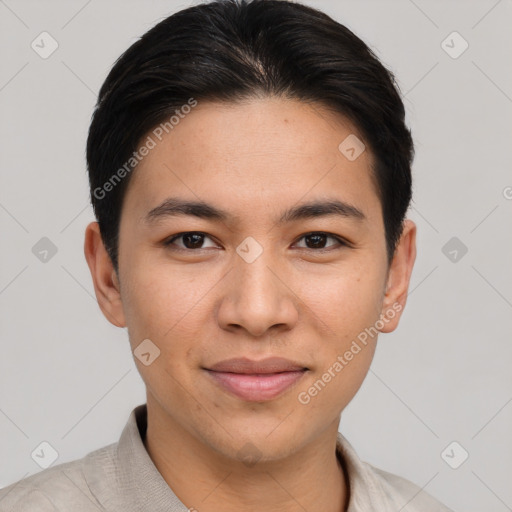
<point x="253" y="442"/>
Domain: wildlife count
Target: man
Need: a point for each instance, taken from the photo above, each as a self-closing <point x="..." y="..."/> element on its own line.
<point x="249" y="169"/>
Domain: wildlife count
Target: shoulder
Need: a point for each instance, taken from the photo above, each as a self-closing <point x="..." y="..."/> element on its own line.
<point x="406" y="495"/>
<point x="60" y="487"/>
<point x="372" y="488"/>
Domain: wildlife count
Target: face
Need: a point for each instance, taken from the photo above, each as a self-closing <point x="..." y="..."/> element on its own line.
<point x="253" y="275"/>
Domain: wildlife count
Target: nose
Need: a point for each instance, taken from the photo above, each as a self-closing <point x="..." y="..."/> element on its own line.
<point x="257" y="298"/>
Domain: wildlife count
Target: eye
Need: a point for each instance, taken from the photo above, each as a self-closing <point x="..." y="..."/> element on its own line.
<point x="192" y="240"/>
<point x="316" y="240"/>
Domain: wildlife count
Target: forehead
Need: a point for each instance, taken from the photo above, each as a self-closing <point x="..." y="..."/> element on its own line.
<point x="272" y="149"/>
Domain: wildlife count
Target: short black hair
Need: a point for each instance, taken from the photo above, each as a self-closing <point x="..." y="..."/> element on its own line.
<point x="232" y="50"/>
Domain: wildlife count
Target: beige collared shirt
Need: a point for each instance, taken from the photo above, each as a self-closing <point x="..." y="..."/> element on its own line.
<point x="122" y="477"/>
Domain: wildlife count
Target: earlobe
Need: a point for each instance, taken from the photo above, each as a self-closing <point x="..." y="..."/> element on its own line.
<point x="399" y="276"/>
<point x="105" y="280"/>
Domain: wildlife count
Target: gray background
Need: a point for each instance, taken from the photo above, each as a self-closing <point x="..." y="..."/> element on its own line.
<point x="67" y="376"/>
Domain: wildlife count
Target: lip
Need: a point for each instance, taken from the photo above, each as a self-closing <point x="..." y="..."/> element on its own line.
<point x="256" y="380"/>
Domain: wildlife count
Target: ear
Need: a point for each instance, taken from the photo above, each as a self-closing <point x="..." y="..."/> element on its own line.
<point x="399" y="275"/>
<point x="105" y="279"/>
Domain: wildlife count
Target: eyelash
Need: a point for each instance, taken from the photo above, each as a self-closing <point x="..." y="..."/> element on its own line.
<point x="341" y="241"/>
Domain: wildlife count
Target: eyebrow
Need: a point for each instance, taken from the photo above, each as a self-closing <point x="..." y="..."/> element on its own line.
<point x="174" y="207"/>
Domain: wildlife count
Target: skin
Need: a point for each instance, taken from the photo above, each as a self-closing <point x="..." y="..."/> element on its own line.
<point x="203" y="305"/>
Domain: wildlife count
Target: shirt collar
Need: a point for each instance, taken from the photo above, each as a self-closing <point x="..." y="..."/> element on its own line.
<point x="123" y="476"/>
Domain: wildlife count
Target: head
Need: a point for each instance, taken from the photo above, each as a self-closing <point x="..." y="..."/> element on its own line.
<point x="288" y="135"/>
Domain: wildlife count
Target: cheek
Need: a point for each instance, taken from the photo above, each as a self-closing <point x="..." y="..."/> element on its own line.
<point x="157" y="300"/>
<point x="161" y="310"/>
<point x="346" y="308"/>
<point x="168" y="308"/>
<point x="346" y="303"/>
<point x="342" y="366"/>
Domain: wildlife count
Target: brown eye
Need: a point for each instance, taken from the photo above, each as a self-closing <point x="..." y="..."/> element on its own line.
<point x="191" y="240"/>
<point x="318" y="240"/>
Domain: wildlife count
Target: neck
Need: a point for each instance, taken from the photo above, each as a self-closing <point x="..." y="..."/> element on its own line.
<point x="313" y="478"/>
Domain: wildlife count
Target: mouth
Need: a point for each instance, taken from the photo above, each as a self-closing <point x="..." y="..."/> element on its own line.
<point x="256" y="381"/>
